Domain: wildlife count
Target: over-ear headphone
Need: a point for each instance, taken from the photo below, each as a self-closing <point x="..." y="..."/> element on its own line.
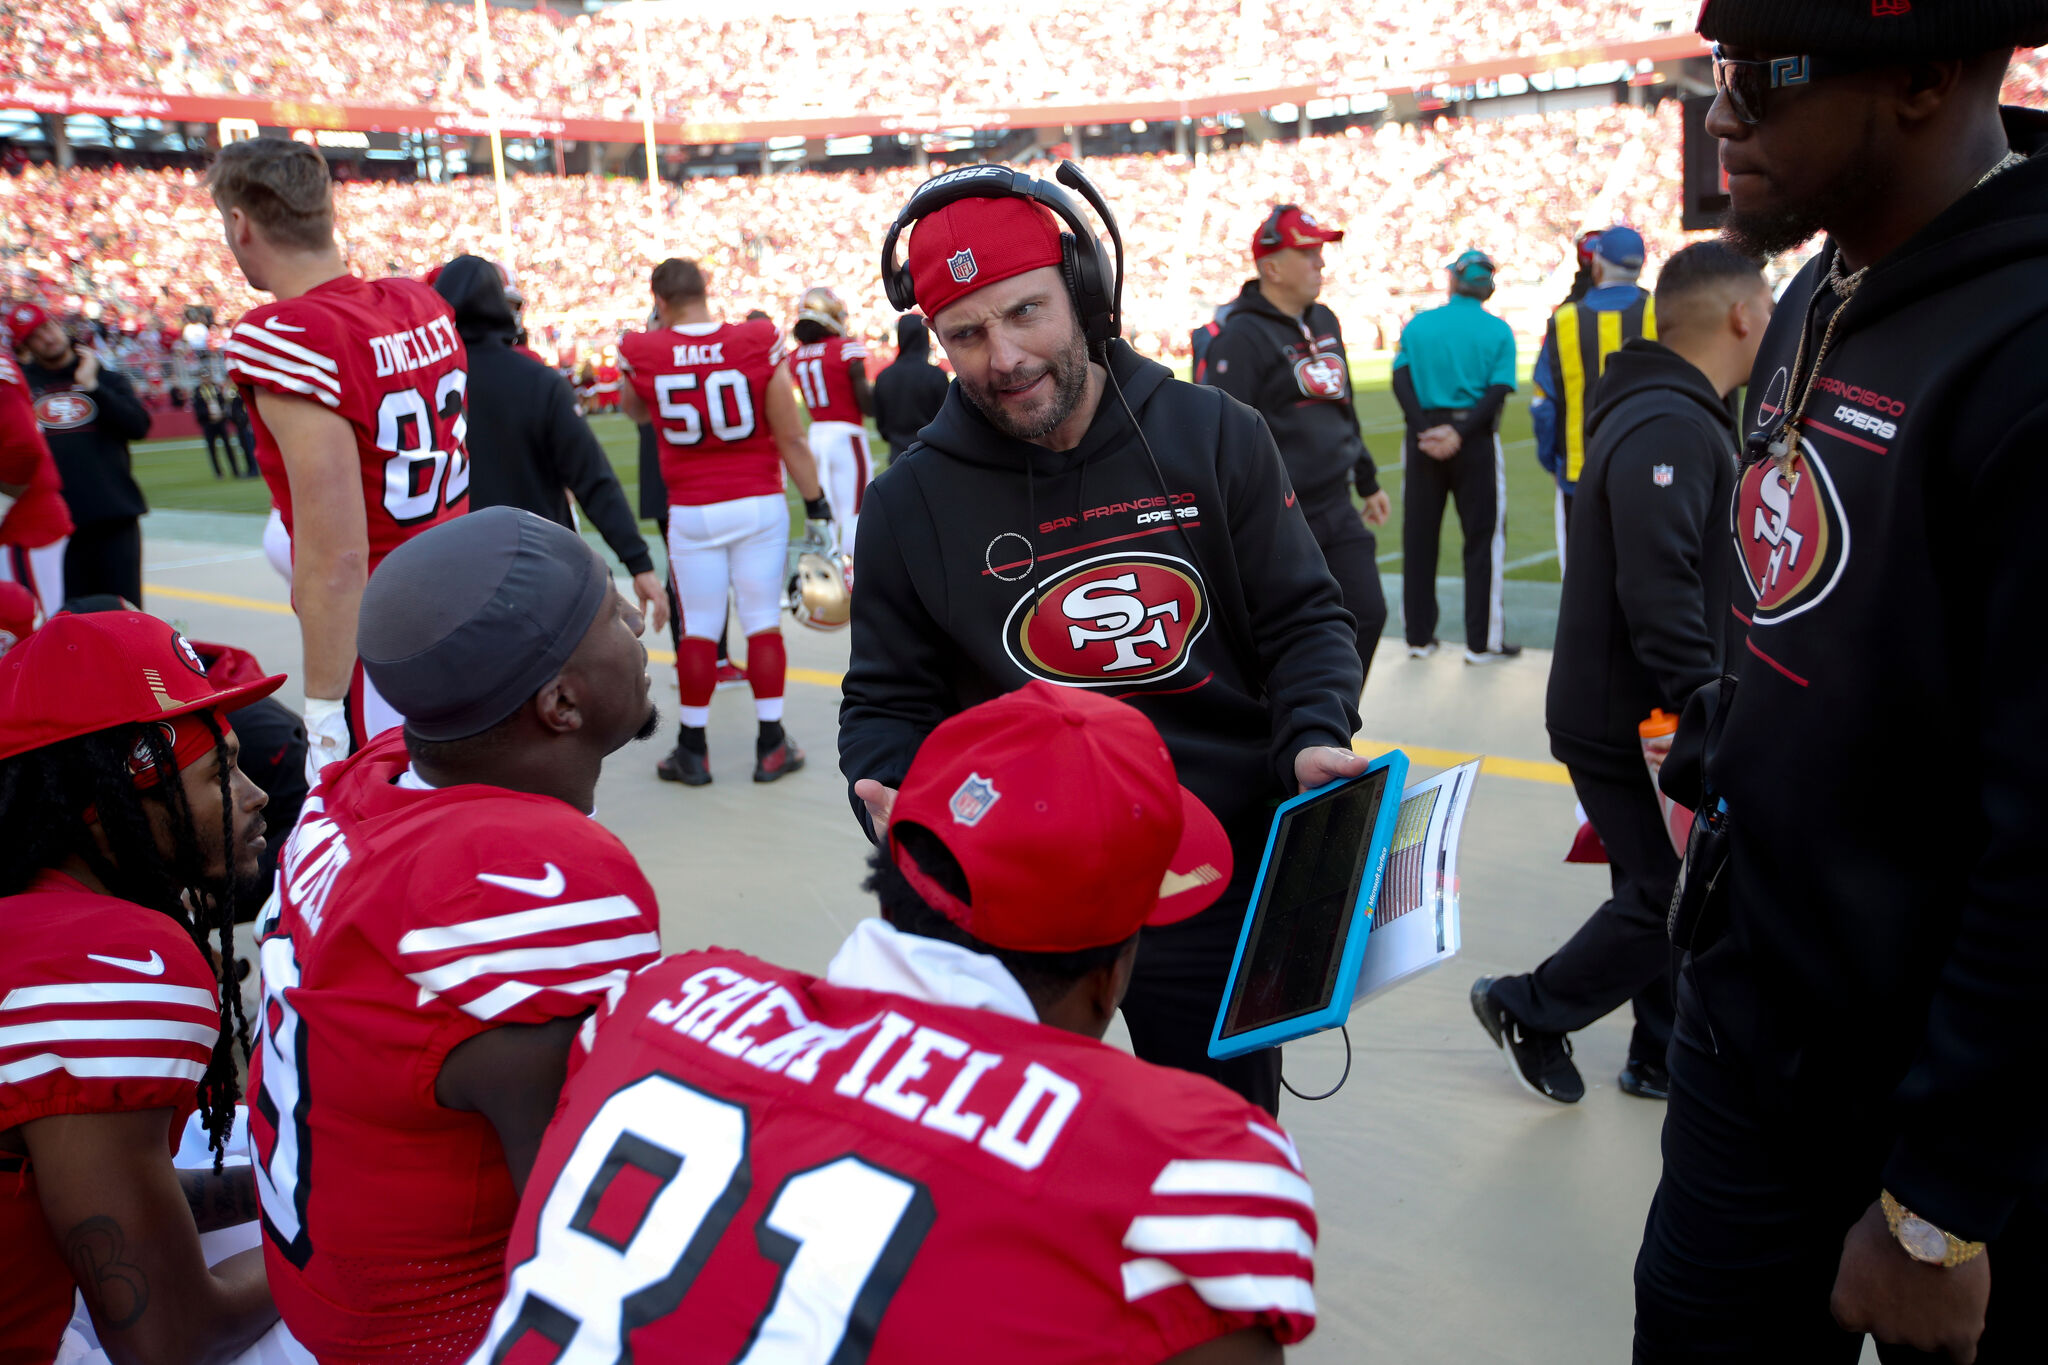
<point x="1096" y="289"/>
<point x="1269" y="231"/>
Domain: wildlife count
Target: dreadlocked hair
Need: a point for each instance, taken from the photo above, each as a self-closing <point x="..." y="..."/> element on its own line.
<point x="43" y="796"/>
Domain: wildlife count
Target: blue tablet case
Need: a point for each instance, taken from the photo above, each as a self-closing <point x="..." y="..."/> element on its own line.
<point x="1351" y="951"/>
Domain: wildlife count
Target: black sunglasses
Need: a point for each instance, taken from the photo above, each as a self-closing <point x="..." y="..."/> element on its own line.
<point x="1745" y="83"/>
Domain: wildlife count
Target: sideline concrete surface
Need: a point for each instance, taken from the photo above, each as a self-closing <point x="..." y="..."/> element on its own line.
<point x="1462" y="1220"/>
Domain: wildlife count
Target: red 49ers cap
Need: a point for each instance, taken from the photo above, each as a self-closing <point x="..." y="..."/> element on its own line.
<point x="973" y="243"/>
<point x="23" y="318"/>
<point x="1063" y="809"/>
<point x="1291" y="227"/>
<point x="79" y="674"/>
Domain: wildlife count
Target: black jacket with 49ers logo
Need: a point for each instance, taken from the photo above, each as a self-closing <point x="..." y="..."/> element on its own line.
<point x="1295" y="373"/>
<point x="984" y="562"/>
<point x="1885" y="755"/>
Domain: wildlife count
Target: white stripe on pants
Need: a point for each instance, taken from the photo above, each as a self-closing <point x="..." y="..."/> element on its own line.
<point x="1497" y="553"/>
<point x="42" y="573"/>
<point x="744" y="543"/>
<point x="841" y="449"/>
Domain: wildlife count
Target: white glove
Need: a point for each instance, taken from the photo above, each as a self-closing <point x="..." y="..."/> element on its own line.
<point x="326" y="736"/>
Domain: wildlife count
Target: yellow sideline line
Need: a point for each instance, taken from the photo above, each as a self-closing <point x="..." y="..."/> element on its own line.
<point x="1522" y="769"/>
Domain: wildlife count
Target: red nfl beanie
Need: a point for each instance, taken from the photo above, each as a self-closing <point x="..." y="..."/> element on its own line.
<point x="973" y="243"/>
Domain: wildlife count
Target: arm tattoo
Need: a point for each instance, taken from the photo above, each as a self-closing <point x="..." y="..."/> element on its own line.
<point x="114" y="1286"/>
<point x="220" y="1201"/>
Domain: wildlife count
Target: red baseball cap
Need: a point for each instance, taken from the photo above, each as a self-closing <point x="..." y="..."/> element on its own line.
<point x="1291" y="228"/>
<point x="973" y="243"/>
<point x="79" y="674"/>
<point x="17" y="615"/>
<point x="23" y="318"/>
<point x="1062" y="808"/>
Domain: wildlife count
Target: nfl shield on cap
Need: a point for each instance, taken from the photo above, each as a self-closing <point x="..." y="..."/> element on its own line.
<point x="1062" y="808"/>
<point x="79" y="674"/>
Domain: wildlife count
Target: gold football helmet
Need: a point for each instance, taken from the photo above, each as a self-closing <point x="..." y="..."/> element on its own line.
<point x="820" y="589"/>
<point x="822" y="306"/>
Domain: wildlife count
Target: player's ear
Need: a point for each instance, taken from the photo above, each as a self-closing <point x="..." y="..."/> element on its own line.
<point x="555" y="706"/>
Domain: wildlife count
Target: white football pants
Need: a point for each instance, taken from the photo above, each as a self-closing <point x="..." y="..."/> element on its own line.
<point x="743" y="543"/>
<point x="841" y="450"/>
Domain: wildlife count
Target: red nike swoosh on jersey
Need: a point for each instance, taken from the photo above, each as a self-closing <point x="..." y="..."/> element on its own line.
<point x="1290" y="498"/>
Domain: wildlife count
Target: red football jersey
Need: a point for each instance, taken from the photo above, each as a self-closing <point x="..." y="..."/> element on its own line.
<point x="407" y="922"/>
<point x="756" y="1164"/>
<point x="105" y="1007"/>
<point x="39" y="516"/>
<point x="824" y="375"/>
<point x="707" y="386"/>
<point x="384" y="354"/>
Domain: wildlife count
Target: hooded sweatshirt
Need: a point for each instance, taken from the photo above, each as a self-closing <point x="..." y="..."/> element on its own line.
<point x="528" y="446"/>
<point x="910" y="389"/>
<point x="1640" y="622"/>
<point x="1885" y="755"/>
<point x="985" y="562"/>
<point x="1295" y="372"/>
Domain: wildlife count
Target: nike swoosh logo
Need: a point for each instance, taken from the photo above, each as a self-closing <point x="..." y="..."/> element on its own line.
<point x="274" y="325"/>
<point x="1173" y="883"/>
<point x="1290" y="498"/>
<point x="153" y="965"/>
<point x="546" y="887"/>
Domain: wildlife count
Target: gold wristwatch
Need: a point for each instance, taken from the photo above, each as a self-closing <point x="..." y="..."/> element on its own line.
<point x="1923" y="1241"/>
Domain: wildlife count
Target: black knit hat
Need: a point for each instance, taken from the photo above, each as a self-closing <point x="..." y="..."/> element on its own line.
<point x="1906" y="29"/>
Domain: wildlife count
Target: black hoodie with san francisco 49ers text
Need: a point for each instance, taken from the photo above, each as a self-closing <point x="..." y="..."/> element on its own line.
<point x="984" y="562"/>
<point x="1885" y="755"/>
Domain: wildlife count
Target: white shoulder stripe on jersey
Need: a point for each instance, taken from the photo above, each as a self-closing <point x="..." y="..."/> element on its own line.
<point x="101" y="1068"/>
<point x="1255" y="1178"/>
<point x="108" y="993"/>
<point x="1167" y="1235"/>
<point x="498" y="999"/>
<point x="1280" y="1141"/>
<point x="266" y="337"/>
<point x="518" y="924"/>
<point x="236" y="347"/>
<point x="119" y="1030"/>
<point x="1226" y="1293"/>
<point x="513" y="961"/>
<point x="239" y="366"/>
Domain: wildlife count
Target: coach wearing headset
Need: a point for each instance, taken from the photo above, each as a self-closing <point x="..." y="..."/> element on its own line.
<point x="1078" y="515"/>
<point x="1283" y="353"/>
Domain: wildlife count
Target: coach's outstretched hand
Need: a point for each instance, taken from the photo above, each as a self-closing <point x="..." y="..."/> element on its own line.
<point x="1314" y="767"/>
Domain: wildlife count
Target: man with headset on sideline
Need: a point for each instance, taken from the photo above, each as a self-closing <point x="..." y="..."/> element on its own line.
<point x="1452" y="375"/>
<point x="1280" y="351"/>
<point x="1076" y="514"/>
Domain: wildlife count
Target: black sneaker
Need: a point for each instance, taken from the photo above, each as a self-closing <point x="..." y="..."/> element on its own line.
<point x="686" y="766"/>
<point x="1492" y="656"/>
<point x="779" y="762"/>
<point x="1644" y="1080"/>
<point x="1542" y="1062"/>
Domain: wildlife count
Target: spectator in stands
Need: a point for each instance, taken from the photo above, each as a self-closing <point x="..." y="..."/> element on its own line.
<point x="1576" y="345"/>
<point x="1640" y="629"/>
<point x="528" y="447"/>
<point x="910" y="390"/>
<point x="89" y="413"/>
<point x="210" y="406"/>
<point x="1453" y="374"/>
<point x="1282" y="353"/>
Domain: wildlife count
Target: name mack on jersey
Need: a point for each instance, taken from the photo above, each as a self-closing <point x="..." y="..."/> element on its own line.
<point x="706" y="353"/>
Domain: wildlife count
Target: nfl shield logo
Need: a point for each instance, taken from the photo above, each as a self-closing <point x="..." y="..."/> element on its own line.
<point x="961" y="263"/>
<point x="1660" y="474"/>
<point x="976" y="795"/>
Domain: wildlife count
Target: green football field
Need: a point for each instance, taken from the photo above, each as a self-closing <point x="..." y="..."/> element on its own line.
<point x="175" y="474"/>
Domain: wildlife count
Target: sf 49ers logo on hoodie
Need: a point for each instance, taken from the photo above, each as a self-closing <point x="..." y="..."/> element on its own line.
<point x="65" y="410"/>
<point x="1320" y="376"/>
<point x="1109" y="621"/>
<point x="1792" y="535"/>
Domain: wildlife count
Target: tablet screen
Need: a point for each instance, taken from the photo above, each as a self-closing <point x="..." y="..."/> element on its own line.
<point x="1304" y="910"/>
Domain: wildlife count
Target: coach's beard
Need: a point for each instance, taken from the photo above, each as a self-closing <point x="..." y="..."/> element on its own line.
<point x="1069" y="372"/>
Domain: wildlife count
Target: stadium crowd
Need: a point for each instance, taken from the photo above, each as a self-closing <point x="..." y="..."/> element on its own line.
<point x="131" y="249"/>
<point x="767" y="63"/>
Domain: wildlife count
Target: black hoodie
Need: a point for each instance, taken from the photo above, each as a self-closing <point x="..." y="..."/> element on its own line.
<point x="910" y="389"/>
<point x="528" y="446"/>
<point x="1639" y="625"/>
<point x="1885" y="757"/>
<point x="1205" y="603"/>
<point x="1283" y="366"/>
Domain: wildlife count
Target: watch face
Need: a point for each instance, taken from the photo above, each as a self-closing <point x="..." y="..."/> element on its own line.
<point x="1922" y="1240"/>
